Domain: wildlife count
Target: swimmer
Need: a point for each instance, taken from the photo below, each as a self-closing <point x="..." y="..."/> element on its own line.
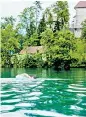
<point x="25" y="76"/>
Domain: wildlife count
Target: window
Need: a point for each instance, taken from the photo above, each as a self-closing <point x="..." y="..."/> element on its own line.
<point x="75" y="29"/>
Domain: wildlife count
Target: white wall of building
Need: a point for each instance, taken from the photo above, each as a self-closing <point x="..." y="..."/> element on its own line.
<point x="80" y="16"/>
<point x="78" y="19"/>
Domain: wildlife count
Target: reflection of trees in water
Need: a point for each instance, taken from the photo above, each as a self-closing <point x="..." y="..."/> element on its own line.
<point x="75" y="74"/>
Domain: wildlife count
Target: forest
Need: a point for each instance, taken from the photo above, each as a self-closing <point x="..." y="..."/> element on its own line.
<point x="48" y="28"/>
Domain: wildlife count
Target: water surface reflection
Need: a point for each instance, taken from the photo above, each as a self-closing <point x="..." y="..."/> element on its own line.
<point x="43" y="98"/>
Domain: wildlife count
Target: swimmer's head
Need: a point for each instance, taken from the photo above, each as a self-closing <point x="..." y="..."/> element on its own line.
<point x="33" y="77"/>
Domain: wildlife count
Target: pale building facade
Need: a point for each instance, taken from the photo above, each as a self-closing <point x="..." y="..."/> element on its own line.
<point x="79" y="18"/>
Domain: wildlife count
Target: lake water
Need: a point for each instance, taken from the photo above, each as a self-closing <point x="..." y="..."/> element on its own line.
<point x="52" y="94"/>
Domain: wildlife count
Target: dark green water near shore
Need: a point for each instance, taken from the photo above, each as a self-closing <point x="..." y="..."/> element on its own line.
<point x="74" y="73"/>
<point x="52" y="94"/>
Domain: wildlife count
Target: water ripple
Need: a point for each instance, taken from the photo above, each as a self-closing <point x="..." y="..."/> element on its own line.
<point x="44" y="98"/>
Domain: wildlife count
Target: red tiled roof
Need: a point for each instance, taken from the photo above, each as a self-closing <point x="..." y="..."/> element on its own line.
<point x="81" y="4"/>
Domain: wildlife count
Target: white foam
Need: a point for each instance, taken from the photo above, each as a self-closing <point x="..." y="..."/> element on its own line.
<point x="6" y="107"/>
<point x="70" y="90"/>
<point x="11" y="101"/>
<point x="24" y="105"/>
<point x="34" y="112"/>
<point x="76" y="107"/>
<point x="77" y="88"/>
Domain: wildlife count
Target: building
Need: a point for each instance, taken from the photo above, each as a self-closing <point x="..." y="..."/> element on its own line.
<point x="79" y="18"/>
<point x="32" y="50"/>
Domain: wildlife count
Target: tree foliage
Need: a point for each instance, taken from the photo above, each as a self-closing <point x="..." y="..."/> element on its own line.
<point x="38" y="9"/>
<point x="61" y="11"/>
<point x="42" y="25"/>
<point x="6" y="21"/>
<point x="27" y="21"/>
<point x="84" y="29"/>
<point x="48" y="29"/>
<point x="58" y="45"/>
<point x="10" y="44"/>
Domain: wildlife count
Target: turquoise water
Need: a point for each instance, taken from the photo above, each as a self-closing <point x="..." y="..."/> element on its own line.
<point x="74" y="73"/>
<point x="52" y="94"/>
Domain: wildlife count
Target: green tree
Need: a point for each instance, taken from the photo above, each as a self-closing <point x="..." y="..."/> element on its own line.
<point x="6" y="21"/>
<point x="42" y="25"/>
<point x="79" y="53"/>
<point x="38" y="9"/>
<point x="46" y="41"/>
<point x="60" y="9"/>
<point x="64" y="42"/>
<point x="58" y="45"/>
<point x="84" y="29"/>
<point x="27" y="21"/>
<point x="49" y="17"/>
<point x="32" y="41"/>
<point x="9" y="44"/>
